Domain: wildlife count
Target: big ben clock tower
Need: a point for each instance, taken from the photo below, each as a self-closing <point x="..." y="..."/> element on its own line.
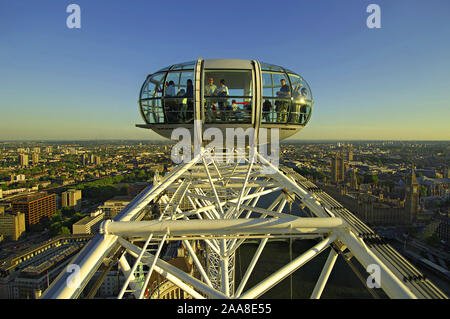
<point x="412" y="196"/>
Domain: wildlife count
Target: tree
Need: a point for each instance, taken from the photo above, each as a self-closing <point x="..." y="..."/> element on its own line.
<point x="56" y="218"/>
<point x="68" y="211"/>
<point x="64" y="231"/>
<point x="370" y="179"/>
<point x="55" y="228"/>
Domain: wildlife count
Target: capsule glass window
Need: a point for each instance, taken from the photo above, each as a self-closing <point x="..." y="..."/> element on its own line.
<point x="228" y="96"/>
<point x="277" y="94"/>
<point x="153" y="87"/>
<point x="178" y="97"/>
<point x="150" y="100"/>
<point x="302" y="101"/>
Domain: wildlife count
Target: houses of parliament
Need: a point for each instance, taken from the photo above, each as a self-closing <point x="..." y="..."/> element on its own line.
<point x="374" y="204"/>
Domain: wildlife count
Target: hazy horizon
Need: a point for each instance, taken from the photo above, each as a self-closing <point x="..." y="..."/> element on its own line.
<point x="173" y="141"/>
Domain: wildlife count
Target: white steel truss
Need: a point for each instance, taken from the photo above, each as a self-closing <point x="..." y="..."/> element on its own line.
<point x="213" y="205"/>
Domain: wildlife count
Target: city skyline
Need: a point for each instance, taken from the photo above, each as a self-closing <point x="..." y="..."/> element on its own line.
<point x="368" y="84"/>
<point x="94" y="181"/>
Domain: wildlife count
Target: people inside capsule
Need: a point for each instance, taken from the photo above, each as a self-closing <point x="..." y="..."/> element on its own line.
<point x="234" y="110"/>
<point x="304" y="92"/>
<point x="285" y="91"/>
<point x="189" y="89"/>
<point x="282" y="106"/>
<point x="170" y="89"/>
<point x="234" y="106"/>
<point x="297" y="92"/>
<point x="182" y="106"/>
<point x="210" y="88"/>
<point x="188" y="111"/>
<point x="222" y="90"/>
<point x="305" y="108"/>
<point x="267" y="109"/>
<point x="170" y="103"/>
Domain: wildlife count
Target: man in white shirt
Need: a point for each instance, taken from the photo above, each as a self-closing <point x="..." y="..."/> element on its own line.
<point x="222" y="90"/>
<point x="210" y="87"/>
<point x="170" y="90"/>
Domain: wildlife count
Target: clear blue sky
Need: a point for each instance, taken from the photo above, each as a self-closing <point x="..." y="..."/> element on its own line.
<point x="388" y="83"/>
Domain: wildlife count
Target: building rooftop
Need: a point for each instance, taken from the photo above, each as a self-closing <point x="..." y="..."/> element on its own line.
<point x="35" y="252"/>
<point x="120" y="199"/>
<point x="31" y="197"/>
<point x="86" y="220"/>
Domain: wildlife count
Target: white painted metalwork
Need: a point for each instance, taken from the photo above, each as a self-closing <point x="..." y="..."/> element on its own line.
<point x="324" y="275"/>
<point x="220" y="220"/>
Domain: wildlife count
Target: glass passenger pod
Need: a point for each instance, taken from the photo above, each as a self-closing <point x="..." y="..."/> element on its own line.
<point x="227" y="88"/>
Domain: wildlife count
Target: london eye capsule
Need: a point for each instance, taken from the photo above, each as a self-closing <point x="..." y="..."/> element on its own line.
<point x="225" y="93"/>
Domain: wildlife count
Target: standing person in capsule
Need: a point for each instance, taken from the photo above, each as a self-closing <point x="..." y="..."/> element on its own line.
<point x="188" y="110"/>
<point x="305" y="109"/>
<point x="170" y="89"/>
<point x="222" y="90"/>
<point x="282" y="106"/>
<point x="267" y="108"/>
<point x="170" y="92"/>
<point x="295" y="114"/>
<point x="210" y="88"/>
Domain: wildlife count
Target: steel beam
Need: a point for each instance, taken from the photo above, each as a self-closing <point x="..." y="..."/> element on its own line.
<point x="285" y="271"/>
<point x="224" y="226"/>
<point x="325" y="274"/>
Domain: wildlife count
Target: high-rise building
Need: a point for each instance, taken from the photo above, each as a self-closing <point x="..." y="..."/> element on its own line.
<point x="35" y="158"/>
<point x="85" y="159"/>
<point x="71" y="198"/>
<point x="97" y="160"/>
<point x="12" y="225"/>
<point x="49" y="149"/>
<point x="35" y="206"/>
<point x="337" y="169"/>
<point x="350" y="155"/>
<point x="37" y="150"/>
<point x="23" y="160"/>
<point x="412" y="196"/>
